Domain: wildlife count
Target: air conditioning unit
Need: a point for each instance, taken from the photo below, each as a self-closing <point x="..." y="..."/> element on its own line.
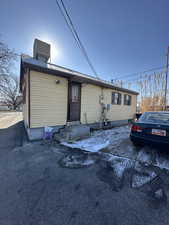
<point x="41" y="50"/>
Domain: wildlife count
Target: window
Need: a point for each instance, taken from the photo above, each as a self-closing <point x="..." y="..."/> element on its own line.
<point x="116" y="98"/>
<point x="75" y="93"/>
<point x="155" y="117"/>
<point x="127" y="99"/>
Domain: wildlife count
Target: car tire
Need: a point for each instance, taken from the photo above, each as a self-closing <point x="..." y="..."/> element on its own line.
<point x="137" y="144"/>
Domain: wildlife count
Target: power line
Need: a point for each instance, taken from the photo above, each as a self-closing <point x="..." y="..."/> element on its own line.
<point x="79" y="41"/>
<point x="72" y="28"/>
<point x="142" y="77"/>
<point x="138" y="73"/>
<point x="67" y="22"/>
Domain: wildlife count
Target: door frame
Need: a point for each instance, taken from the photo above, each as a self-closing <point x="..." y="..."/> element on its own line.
<point x="69" y="98"/>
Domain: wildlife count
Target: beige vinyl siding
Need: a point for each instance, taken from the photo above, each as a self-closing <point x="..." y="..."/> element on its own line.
<point x="48" y="100"/>
<point x="91" y="108"/>
<point x="119" y="112"/>
<point x="25" y="106"/>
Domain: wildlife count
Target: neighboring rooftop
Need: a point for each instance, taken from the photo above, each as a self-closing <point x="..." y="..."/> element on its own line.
<point x="38" y="65"/>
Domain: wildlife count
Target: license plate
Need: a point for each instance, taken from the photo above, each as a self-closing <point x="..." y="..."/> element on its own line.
<point x="159" y="132"/>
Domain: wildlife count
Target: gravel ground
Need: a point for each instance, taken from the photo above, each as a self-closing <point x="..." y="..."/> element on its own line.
<point x="38" y="189"/>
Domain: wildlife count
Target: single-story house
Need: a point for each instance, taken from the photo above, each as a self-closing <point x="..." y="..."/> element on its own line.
<point x="56" y="96"/>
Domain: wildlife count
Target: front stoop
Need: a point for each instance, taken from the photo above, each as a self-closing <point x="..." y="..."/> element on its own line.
<point x="72" y="133"/>
<point x="73" y="123"/>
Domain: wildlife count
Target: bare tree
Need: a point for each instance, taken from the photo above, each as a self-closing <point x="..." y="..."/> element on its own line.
<point x="9" y="91"/>
<point x="7" y="56"/>
<point x="151" y="88"/>
<point x="9" y="84"/>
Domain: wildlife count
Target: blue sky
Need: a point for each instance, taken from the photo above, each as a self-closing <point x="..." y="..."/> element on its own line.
<point x="121" y="36"/>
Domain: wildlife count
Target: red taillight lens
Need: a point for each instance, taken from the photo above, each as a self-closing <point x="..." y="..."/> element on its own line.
<point x="136" y="128"/>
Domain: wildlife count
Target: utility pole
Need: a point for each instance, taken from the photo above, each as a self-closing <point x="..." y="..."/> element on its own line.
<point x="166" y="80"/>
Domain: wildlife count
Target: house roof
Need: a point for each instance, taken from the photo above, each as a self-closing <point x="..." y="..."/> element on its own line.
<point x="34" y="64"/>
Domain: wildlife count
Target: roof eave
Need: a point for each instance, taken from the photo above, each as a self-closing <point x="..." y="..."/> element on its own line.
<point x="72" y="77"/>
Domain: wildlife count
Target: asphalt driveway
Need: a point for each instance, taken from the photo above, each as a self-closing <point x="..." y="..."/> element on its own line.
<point x="11" y="131"/>
<point x="37" y="189"/>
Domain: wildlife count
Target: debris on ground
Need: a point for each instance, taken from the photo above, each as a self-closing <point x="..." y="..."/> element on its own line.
<point x="47" y="133"/>
<point x="76" y="161"/>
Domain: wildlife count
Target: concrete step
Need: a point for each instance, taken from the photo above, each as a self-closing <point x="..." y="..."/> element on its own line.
<point x="72" y="133"/>
<point x="72" y="123"/>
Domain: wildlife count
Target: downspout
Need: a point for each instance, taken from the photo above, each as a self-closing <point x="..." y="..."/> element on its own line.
<point x="103" y="118"/>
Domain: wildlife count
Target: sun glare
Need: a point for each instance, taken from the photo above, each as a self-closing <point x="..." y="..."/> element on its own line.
<point x="54" y="49"/>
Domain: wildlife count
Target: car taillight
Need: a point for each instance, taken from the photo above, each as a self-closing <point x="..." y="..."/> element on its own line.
<point x="136" y="128"/>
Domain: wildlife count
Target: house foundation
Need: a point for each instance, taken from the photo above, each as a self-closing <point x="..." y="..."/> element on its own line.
<point x="73" y="132"/>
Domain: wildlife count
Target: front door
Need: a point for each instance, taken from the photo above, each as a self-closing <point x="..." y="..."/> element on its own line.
<point x="74" y="101"/>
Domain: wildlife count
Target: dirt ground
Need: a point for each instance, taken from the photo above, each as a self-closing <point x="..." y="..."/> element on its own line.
<point x="8" y="119"/>
<point x="47" y="183"/>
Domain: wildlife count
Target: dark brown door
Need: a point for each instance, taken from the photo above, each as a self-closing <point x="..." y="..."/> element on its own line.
<point x="74" y="101"/>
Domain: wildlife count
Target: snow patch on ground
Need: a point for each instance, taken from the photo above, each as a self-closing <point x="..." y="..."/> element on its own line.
<point x="121" y="167"/>
<point x="76" y="161"/>
<point x="87" y="145"/>
<point x="143" y="174"/>
<point x="144" y="156"/>
<point x="101" y="139"/>
<point x="140" y="179"/>
<point x="162" y="162"/>
<point x="118" y="164"/>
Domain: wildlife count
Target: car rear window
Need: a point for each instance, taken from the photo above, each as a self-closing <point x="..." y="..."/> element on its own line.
<point x="155" y="117"/>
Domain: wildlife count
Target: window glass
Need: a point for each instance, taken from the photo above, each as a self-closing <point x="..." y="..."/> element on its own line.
<point x="75" y="93"/>
<point x="127" y="99"/>
<point x="155" y="117"/>
<point x="116" y="98"/>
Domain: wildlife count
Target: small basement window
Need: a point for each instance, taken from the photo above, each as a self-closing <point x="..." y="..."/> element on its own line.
<point x="116" y="98"/>
<point x="127" y="99"/>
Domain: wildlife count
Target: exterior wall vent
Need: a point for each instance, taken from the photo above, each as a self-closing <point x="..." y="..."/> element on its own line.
<point x="41" y="50"/>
